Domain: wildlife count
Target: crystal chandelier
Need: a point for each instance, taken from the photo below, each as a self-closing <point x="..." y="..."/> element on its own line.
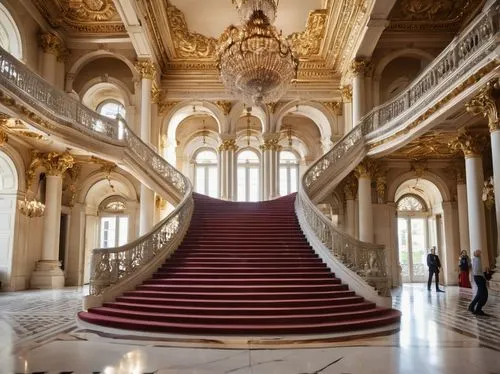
<point x="31" y="208"/>
<point x="254" y="60"/>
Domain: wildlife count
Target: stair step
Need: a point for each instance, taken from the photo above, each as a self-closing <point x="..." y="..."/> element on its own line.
<point x="240" y="288"/>
<point x="187" y="274"/>
<point x="246" y="281"/>
<point x="241" y="269"/>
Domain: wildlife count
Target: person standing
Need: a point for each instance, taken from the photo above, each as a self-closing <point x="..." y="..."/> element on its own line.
<point x="434" y="266"/>
<point x="476" y="306"/>
<point x="464" y="265"/>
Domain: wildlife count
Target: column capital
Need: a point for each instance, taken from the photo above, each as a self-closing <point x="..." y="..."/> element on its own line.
<point x="360" y="67"/>
<point x="350" y="186"/>
<point x="228" y="144"/>
<point x="487" y="103"/>
<point x="146" y="69"/>
<point x="472" y="145"/>
<point x="56" y="163"/>
<point x="51" y="43"/>
<point x="347" y="93"/>
<point x="271" y="142"/>
<point x="366" y="168"/>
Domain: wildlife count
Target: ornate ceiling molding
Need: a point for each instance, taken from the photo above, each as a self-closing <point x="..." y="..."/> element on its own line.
<point x="82" y="16"/>
<point x="308" y="42"/>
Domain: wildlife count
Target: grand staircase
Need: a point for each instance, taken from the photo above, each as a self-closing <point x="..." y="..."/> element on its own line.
<point x="243" y="268"/>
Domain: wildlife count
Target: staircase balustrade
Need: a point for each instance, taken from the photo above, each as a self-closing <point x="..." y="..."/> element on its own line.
<point x="109" y="266"/>
<point x="469" y="51"/>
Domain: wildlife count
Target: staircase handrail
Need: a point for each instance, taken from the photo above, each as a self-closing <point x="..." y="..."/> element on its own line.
<point x="365" y="259"/>
<point x="110" y="266"/>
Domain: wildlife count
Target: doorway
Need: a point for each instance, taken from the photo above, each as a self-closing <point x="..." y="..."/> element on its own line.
<point x="412" y="238"/>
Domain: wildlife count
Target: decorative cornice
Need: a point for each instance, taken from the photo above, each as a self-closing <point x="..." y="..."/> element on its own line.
<point x="226" y="106"/>
<point x="308" y="42"/>
<point x="146" y="69"/>
<point x="472" y="145"/>
<point x="487" y="103"/>
<point x="228" y="145"/>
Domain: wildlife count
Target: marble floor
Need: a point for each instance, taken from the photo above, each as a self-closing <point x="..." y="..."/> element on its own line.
<point x="39" y="334"/>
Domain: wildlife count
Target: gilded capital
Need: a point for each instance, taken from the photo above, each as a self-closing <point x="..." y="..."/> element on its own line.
<point x="271" y="142"/>
<point x="471" y="145"/>
<point x="487" y="103"/>
<point x="359" y="66"/>
<point x="334" y="106"/>
<point x="366" y="168"/>
<point x="146" y="69"/>
<point x="226" y="106"/>
<point x="228" y="145"/>
<point x="51" y="43"/>
<point x="350" y="187"/>
<point x="347" y="93"/>
<point x="57" y="163"/>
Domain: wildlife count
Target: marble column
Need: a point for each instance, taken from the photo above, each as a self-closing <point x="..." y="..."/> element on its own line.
<point x="270" y="165"/>
<point x="472" y="146"/>
<point x="463" y="219"/>
<point x="48" y="273"/>
<point x="364" y="173"/>
<point x="347" y="110"/>
<point x="487" y="103"/>
<point x="350" y="190"/>
<point x="51" y="46"/>
<point x="227" y="167"/>
<point x="147" y="71"/>
<point x="358" y="68"/>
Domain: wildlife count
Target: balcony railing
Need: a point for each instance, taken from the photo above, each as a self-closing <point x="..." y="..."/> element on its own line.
<point x="468" y="52"/>
<point x="39" y="98"/>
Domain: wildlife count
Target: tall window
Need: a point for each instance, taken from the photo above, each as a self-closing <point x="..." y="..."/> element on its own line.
<point x="205" y="173"/>
<point x="412" y="238"/>
<point x="114" y="223"/>
<point x="248" y="176"/>
<point x="10" y="38"/>
<point x="111" y="108"/>
<point x="289" y="173"/>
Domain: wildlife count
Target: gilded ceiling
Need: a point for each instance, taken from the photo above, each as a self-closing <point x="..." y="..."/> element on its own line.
<point x="432" y="145"/>
<point x="82" y="16"/>
<point x="432" y="15"/>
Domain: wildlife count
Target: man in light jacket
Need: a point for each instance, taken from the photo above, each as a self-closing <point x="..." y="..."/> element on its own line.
<point x="476" y="306"/>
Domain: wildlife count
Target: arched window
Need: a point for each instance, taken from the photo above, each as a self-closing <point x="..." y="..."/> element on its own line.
<point x="114" y="222"/>
<point x="289" y="173"/>
<point x="248" y="176"/>
<point x="10" y="38"/>
<point x="413" y="237"/>
<point x="111" y="108"/>
<point x="205" y="173"/>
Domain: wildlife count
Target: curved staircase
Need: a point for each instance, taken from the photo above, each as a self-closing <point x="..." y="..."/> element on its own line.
<point x="243" y="268"/>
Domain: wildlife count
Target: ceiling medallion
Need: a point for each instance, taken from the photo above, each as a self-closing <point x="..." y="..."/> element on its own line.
<point x="255" y="62"/>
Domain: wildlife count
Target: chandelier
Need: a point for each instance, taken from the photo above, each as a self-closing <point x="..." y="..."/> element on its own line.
<point x="31" y="208"/>
<point x="255" y="62"/>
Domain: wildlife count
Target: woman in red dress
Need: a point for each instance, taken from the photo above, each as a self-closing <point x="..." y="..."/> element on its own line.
<point x="464" y="266"/>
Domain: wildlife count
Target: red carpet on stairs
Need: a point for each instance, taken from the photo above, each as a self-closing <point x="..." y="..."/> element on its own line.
<point x="243" y="268"/>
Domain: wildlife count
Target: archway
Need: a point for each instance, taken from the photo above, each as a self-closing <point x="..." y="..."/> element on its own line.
<point x="10" y="37"/>
<point x="8" y="199"/>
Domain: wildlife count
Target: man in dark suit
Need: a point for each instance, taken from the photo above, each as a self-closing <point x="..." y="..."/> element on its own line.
<point x="434" y="265"/>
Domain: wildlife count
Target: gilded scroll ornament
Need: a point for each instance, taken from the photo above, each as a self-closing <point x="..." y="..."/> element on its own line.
<point x="51" y="43"/>
<point x="272" y="107"/>
<point x="487" y="103"/>
<point x="488" y="195"/>
<point x="155" y="94"/>
<point x="334" y="106"/>
<point x="3" y="137"/>
<point x="308" y="42"/>
<point x="347" y="93"/>
<point x="366" y="168"/>
<point x="187" y="44"/>
<point x="360" y="66"/>
<point x="350" y="186"/>
<point x="167" y="106"/>
<point x="90" y="10"/>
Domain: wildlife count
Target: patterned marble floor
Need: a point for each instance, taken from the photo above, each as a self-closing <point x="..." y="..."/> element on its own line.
<point x="38" y="334"/>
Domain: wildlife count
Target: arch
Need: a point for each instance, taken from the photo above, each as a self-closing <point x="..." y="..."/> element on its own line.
<point x="437" y="181"/>
<point x="184" y="110"/>
<point x="95" y="181"/>
<point x="316" y="112"/>
<point x="238" y="111"/>
<point x="113" y="86"/>
<point x="10" y="37"/>
<point x="408" y="52"/>
<point x="195" y="144"/>
<point x="89" y="57"/>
